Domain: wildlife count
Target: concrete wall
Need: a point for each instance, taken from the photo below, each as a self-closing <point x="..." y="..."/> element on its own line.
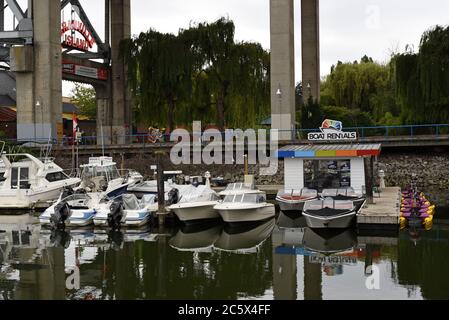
<point x="294" y="174"/>
<point x="282" y="67"/>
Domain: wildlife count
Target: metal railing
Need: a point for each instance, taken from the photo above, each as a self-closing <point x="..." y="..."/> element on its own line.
<point x="377" y="133"/>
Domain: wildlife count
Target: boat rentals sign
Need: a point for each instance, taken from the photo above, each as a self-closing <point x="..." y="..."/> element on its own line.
<point x="332" y="130"/>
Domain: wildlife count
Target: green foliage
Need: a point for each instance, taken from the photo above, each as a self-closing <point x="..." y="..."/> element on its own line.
<point x="364" y="86"/>
<point x="85" y="98"/>
<point x="201" y="73"/>
<point x="350" y="118"/>
<point x="422" y="79"/>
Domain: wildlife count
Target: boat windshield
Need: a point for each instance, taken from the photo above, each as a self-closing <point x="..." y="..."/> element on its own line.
<point x="238" y="186"/>
<point x="347" y="192"/>
<point x="328" y="203"/>
<point x="298" y="193"/>
<point x="77" y="197"/>
<point x="246" y="198"/>
<point x="108" y="172"/>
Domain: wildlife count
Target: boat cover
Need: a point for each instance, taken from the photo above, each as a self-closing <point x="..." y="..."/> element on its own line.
<point x="130" y="202"/>
<point x="198" y="194"/>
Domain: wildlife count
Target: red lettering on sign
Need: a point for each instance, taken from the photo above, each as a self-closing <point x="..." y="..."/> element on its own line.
<point x="71" y="40"/>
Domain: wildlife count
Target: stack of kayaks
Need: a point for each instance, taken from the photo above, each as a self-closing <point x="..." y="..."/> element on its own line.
<point x="416" y="209"/>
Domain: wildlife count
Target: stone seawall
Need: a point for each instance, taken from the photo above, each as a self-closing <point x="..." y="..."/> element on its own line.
<point x="431" y="169"/>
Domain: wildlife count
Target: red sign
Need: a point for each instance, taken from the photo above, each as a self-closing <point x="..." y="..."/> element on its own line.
<point x="71" y="40"/>
<point x="88" y="72"/>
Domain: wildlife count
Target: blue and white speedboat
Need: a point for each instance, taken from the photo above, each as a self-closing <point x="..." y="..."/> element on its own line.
<point x="129" y="210"/>
<point x="72" y="210"/>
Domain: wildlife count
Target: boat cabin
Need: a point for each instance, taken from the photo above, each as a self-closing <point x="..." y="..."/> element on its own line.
<point x="99" y="169"/>
<point x="22" y="171"/>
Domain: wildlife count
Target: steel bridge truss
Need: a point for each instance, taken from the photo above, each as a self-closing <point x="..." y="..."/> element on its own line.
<point x="22" y="33"/>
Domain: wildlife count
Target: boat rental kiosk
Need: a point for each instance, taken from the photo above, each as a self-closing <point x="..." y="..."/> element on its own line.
<point x="332" y="158"/>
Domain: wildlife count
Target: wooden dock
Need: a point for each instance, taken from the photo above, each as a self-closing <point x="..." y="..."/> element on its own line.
<point x="384" y="212"/>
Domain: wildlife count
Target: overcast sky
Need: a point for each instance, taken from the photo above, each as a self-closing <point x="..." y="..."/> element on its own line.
<point x="348" y="28"/>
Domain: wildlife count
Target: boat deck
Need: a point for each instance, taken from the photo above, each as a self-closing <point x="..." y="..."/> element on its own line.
<point x="384" y="212"/>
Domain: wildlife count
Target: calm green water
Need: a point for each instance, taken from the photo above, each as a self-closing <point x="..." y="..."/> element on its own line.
<point x="273" y="260"/>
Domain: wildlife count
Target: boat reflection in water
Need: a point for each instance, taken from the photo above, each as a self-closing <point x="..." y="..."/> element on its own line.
<point x="239" y="239"/>
<point x="245" y="238"/>
<point x="329" y="242"/>
<point x="292" y="228"/>
<point x="198" y="237"/>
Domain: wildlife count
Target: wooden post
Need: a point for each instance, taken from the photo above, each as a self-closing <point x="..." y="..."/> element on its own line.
<point x="160" y="188"/>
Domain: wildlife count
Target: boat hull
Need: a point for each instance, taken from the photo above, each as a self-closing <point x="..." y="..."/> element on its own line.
<point x="291" y="207"/>
<point x="29" y="199"/>
<point x="195" y="212"/>
<point x="231" y="214"/>
<point x="331" y="222"/>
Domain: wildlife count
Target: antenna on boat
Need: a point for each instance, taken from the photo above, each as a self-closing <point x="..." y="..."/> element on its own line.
<point x="3" y="143"/>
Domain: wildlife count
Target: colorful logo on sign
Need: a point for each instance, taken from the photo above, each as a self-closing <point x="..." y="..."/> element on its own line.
<point x="332" y="124"/>
<point x="332" y="130"/>
<point x="84" y="43"/>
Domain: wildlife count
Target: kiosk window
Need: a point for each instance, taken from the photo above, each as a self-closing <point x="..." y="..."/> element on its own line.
<point x="323" y="174"/>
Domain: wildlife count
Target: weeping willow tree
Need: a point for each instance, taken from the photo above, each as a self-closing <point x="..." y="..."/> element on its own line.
<point x="237" y="74"/>
<point x="364" y="86"/>
<point x="199" y="74"/>
<point x="422" y="79"/>
<point x="160" y="68"/>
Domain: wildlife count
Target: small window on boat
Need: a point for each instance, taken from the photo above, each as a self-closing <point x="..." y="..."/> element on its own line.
<point x="24" y="178"/>
<point x="14" y="178"/>
<point x="56" y="176"/>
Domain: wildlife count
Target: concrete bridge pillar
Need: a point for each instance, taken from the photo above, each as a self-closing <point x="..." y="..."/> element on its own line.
<point x="283" y="61"/>
<point x="310" y="30"/>
<point x="121" y="105"/>
<point x="39" y="76"/>
<point x="283" y="113"/>
<point x="104" y="115"/>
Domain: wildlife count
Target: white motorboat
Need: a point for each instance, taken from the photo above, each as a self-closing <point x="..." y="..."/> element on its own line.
<point x="292" y="201"/>
<point x="71" y="210"/>
<point x="28" y="182"/>
<point x="130" y="211"/>
<point x="238" y="188"/>
<point x="329" y="213"/>
<point x="196" y="203"/>
<point x="101" y="175"/>
<point x="245" y="208"/>
<point x="244" y="239"/>
<point x="348" y="194"/>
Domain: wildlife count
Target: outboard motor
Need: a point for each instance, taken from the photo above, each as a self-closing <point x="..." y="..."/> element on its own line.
<point x="60" y="215"/>
<point x="115" y="239"/>
<point x="67" y="192"/>
<point x="173" y="197"/>
<point x="115" y="215"/>
<point x="60" y="238"/>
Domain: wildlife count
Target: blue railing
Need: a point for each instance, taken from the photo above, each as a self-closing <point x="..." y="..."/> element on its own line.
<point x="383" y="133"/>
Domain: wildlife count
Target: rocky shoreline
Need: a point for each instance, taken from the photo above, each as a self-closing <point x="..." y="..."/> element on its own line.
<point x="431" y="170"/>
